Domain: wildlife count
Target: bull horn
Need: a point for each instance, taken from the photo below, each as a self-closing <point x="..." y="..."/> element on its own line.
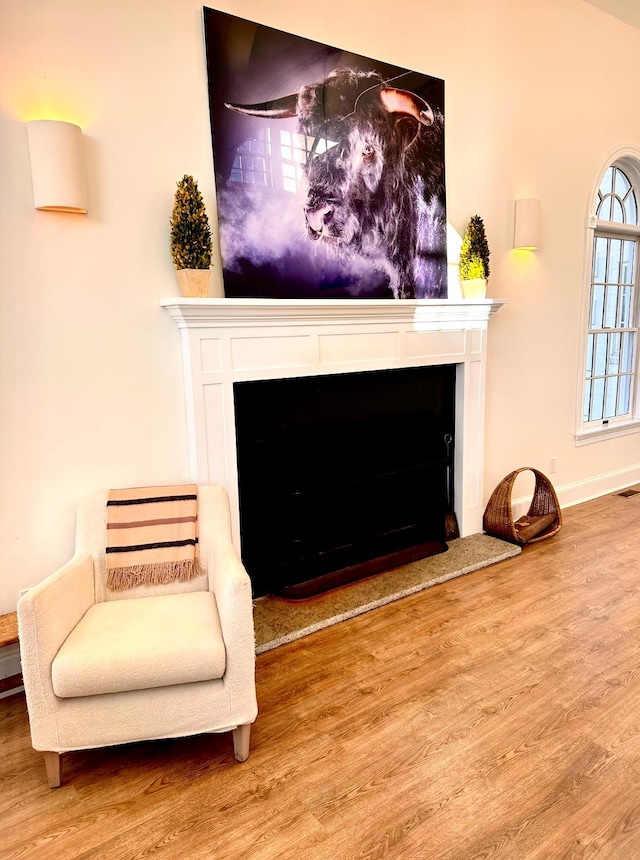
<point x="402" y="101"/>
<point x="276" y="109"/>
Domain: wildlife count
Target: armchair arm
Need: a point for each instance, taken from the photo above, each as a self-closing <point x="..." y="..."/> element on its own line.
<point x="230" y="583"/>
<point x="47" y="614"/>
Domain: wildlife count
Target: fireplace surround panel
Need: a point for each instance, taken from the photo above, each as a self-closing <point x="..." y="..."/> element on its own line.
<point x="226" y="341"/>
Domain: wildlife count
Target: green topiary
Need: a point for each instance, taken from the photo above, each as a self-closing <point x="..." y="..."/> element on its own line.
<point x="190" y="231"/>
<point x="474" y="253"/>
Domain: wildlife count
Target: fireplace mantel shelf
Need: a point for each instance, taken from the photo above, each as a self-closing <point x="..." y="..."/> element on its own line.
<point x="425" y="314"/>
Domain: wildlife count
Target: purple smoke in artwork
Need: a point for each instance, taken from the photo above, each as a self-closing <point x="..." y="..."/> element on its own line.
<point x="249" y="212"/>
<point x="258" y="232"/>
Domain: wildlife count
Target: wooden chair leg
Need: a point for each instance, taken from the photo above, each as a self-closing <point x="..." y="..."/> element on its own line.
<point x="241" y="738"/>
<point x="52" y="764"/>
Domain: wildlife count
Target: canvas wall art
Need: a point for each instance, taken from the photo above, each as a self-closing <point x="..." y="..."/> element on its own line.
<point x="329" y="166"/>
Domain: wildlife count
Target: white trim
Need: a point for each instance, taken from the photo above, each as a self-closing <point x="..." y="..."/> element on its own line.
<point x="225" y="341"/>
<point x="583" y="491"/>
<point x="422" y="314"/>
<point x="611" y="431"/>
<point x="615" y="231"/>
<point x="9" y="666"/>
<point x="627" y="156"/>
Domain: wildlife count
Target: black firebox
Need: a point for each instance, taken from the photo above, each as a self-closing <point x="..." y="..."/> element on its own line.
<point x="343" y="475"/>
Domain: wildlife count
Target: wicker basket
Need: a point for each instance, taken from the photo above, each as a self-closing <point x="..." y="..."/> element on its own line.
<point x="543" y="518"/>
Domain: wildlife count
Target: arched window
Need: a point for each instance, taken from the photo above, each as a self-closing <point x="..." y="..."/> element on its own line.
<point x="610" y="367"/>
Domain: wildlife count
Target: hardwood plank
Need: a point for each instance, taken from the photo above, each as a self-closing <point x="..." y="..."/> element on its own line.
<point x="493" y="715"/>
<point x="8" y="629"/>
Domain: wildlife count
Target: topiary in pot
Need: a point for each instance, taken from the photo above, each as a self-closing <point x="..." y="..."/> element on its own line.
<point x="474" y="259"/>
<point x="190" y="239"/>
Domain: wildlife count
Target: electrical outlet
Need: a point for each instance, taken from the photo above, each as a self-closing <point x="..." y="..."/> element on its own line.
<point x="553" y="465"/>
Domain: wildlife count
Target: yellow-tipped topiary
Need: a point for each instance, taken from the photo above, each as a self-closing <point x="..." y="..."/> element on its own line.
<point x="474" y="253"/>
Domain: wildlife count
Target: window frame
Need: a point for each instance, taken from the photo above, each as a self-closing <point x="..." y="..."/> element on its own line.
<point x="628" y="161"/>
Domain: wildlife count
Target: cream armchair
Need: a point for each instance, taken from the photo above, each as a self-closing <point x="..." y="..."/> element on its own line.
<point x="102" y="668"/>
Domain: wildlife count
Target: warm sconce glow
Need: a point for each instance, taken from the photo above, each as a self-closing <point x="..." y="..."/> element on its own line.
<point x="56" y="151"/>
<point x="526" y="225"/>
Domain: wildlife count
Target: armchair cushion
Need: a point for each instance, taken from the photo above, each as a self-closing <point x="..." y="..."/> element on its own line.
<point x="141" y="643"/>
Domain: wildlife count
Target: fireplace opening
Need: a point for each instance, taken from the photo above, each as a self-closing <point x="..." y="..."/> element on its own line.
<point x="342" y="475"/>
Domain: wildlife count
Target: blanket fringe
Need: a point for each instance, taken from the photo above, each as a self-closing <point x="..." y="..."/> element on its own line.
<point x="121" y="578"/>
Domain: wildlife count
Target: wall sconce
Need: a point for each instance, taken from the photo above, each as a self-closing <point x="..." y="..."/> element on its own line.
<point x="56" y="150"/>
<point x="526" y="225"/>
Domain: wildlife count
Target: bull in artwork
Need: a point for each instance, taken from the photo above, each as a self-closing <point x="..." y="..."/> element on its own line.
<point x="375" y="176"/>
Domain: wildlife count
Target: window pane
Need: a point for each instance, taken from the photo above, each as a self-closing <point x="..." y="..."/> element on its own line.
<point x="600" y="260"/>
<point x="611" y="307"/>
<point x="322" y="145"/>
<point x="625" y="308"/>
<point x="587" y="401"/>
<point x="613" y="270"/>
<point x="622" y="184"/>
<point x="611" y="397"/>
<point x="628" y="254"/>
<point x="624" y="395"/>
<point x="597" y="401"/>
<point x="617" y="213"/>
<point x="626" y="365"/>
<point x="604" y="210"/>
<point x="613" y="364"/>
<point x="606" y="185"/>
<point x="631" y="208"/>
<point x="589" y="368"/>
<point x="600" y="364"/>
<point x="597" y="306"/>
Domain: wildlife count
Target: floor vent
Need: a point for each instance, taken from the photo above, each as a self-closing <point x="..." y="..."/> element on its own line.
<point x="626" y="493"/>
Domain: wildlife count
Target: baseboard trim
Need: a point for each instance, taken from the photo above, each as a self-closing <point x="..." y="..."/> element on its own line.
<point x="583" y="491"/>
<point x="10" y="671"/>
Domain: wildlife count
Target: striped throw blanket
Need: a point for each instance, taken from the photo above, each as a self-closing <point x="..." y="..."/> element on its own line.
<point x="152" y="536"/>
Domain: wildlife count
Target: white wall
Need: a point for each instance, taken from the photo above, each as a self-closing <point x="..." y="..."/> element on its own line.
<point x="90" y="376"/>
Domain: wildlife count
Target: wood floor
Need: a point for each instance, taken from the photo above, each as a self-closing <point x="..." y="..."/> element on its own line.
<point x="496" y="715"/>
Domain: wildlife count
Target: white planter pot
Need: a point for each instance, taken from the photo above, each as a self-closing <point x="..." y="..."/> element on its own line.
<point x="476" y="288"/>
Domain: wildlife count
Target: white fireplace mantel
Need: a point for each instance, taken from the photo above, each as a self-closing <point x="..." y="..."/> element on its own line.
<point x="225" y="341"/>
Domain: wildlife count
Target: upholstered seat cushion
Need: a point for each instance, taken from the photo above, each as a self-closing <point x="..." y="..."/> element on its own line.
<point x="140" y="643"/>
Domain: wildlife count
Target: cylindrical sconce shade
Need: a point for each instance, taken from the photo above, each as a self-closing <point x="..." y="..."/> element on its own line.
<point x="56" y="150"/>
<point x="526" y="226"/>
